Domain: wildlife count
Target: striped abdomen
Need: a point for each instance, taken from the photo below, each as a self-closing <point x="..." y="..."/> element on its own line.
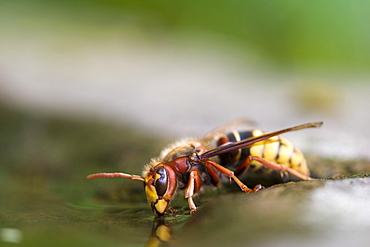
<point x="276" y="149"/>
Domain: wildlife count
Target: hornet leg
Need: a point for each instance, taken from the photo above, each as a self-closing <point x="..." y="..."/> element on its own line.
<point x="245" y="165"/>
<point x="231" y="175"/>
<point x="192" y="188"/>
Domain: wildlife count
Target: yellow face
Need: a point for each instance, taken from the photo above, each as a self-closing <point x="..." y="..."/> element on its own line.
<point x="160" y="185"/>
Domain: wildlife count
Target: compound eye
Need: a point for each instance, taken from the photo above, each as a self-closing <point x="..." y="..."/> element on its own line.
<point x="161" y="181"/>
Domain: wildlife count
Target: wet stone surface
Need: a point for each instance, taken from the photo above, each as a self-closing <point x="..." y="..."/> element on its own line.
<point x="321" y="212"/>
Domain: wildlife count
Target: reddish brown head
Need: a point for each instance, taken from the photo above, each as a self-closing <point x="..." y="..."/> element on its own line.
<point x="160" y="186"/>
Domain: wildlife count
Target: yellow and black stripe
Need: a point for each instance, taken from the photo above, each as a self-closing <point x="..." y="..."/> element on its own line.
<point x="276" y="149"/>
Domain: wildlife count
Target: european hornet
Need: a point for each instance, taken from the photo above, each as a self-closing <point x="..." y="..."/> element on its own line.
<point x="191" y="164"/>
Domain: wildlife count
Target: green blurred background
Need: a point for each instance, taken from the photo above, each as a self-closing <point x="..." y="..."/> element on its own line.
<point x="299" y="35"/>
<point x="89" y="86"/>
